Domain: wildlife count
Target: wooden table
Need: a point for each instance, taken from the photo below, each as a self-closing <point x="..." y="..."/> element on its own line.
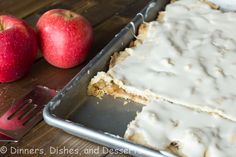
<point x="107" y="18"/>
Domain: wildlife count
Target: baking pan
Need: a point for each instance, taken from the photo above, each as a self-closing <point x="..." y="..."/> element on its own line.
<point x="102" y="121"/>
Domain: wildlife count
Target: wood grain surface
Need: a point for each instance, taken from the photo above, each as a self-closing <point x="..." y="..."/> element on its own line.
<point x="107" y="18"/>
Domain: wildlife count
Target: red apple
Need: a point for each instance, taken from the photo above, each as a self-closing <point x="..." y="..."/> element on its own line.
<point x="65" y="37"/>
<point x="18" y="48"/>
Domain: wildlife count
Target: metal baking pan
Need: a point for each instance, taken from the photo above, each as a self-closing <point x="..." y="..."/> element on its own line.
<point x="102" y="121"/>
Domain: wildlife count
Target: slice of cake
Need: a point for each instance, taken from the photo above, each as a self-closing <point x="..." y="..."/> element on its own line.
<point x="182" y="131"/>
<point x="187" y="57"/>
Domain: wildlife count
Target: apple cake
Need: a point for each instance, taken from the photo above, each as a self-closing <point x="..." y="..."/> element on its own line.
<point x="166" y="126"/>
<point x="187" y="57"/>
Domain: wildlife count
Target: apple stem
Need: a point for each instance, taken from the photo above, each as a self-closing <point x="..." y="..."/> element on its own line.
<point x="1" y="27"/>
<point x="67" y="15"/>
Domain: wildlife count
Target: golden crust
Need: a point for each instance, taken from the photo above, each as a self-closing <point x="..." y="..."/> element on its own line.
<point x="118" y="57"/>
<point x="138" y="138"/>
<point x="102" y="87"/>
<point x="160" y="17"/>
<point x="142" y="31"/>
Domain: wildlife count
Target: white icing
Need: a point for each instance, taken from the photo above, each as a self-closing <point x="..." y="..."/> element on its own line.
<point x="228" y="5"/>
<point x="196" y="133"/>
<point x="189" y="59"/>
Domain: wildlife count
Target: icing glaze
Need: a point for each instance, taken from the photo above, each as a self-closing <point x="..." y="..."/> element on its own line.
<point x="196" y="134"/>
<point x="189" y="59"/>
<point x="228" y="5"/>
